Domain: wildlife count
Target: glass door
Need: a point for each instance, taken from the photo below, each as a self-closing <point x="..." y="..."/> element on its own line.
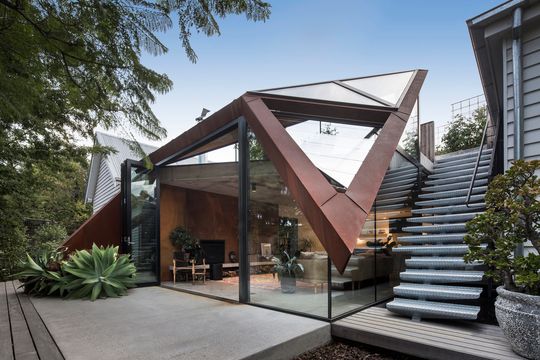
<point x="140" y="211"/>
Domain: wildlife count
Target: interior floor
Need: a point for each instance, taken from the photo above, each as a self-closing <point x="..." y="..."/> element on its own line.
<point x="309" y="298"/>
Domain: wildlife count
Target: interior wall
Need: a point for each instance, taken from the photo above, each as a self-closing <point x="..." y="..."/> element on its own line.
<point x="207" y="216"/>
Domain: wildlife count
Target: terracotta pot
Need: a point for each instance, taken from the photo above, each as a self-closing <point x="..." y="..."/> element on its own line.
<point x="288" y="285"/>
<point x="519" y="318"/>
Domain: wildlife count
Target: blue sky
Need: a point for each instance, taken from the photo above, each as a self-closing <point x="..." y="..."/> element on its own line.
<point x="311" y="40"/>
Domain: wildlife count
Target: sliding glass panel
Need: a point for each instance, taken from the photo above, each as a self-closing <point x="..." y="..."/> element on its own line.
<point x="199" y="197"/>
<point x="141" y="195"/>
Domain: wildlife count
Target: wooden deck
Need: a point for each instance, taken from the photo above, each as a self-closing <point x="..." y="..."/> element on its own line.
<point x="23" y="334"/>
<point x="426" y="339"/>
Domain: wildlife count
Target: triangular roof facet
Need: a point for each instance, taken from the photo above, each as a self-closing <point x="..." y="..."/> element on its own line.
<point x="381" y="90"/>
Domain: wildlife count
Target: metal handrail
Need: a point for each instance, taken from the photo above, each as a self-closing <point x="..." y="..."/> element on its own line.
<point x="478" y="157"/>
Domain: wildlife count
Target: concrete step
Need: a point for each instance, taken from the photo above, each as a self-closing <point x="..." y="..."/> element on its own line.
<point x="456" y="179"/>
<point x="452" y="209"/>
<point x="450" y="201"/>
<point x="440" y="228"/>
<point x="437" y="292"/>
<point x="441" y="276"/>
<point x="453" y="193"/>
<point x="438" y="262"/>
<point x="432" y="238"/>
<point x="455" y="186"/>
<point x="451" y="174"/>
<point x="451" y="218"/>
<point x="454" y="167"/>
<point x="434" y="310"/>
<point x="450" y="249"/>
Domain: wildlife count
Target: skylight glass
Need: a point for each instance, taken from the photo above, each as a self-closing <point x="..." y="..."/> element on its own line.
<point x="387" y="87"/>
<point x="326" y="91"/>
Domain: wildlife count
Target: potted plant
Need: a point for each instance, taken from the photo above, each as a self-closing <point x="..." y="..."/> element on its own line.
<point x="287" y="269"/>
<point x="512" y="217"/>
<point x="185" y="242"/>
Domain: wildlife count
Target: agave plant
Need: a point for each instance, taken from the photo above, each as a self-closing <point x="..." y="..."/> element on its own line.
<point x="96" y="274"/>
<point x="42" y="275"/>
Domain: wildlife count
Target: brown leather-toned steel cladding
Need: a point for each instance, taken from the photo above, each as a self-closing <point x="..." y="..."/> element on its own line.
<point x="335" y="219"/>
<point x="336" y="112"/>
<point x="103" y="228"/>
<point x="214" y="122"/>
<point x="365" y="184"/>
<point x="367" y="181"/>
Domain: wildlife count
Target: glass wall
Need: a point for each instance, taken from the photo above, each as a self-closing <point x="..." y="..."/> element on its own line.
<point x="143" y="222"/>
<point x="288" y="264"/>
<point x="288" y="267"/>
<point x="199" y="197"/>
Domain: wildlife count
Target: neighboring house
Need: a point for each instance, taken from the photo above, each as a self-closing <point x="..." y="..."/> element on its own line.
<point x="507" y="32"/>
<point x="104" y="174"/>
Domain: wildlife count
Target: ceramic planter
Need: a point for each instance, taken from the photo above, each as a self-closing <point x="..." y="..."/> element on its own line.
<point x="519" y="318"/>
<point x="288" y="284"/>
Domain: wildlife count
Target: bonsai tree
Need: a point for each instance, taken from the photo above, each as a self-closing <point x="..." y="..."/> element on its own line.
<point x="182" y="239"/>
<point x="512" y="217"/>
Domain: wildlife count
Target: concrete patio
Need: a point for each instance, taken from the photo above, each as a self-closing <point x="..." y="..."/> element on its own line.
<point x="158" y="323"/>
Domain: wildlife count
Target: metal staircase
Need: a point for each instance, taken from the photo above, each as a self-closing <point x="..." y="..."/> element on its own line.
<point x="437" y="283"/>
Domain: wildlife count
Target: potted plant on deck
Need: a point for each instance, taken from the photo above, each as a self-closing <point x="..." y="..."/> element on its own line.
<point x="512" y="217"/>
<point x="287" y="269"/>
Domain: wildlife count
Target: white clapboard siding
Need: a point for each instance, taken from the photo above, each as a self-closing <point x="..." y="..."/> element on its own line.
<point x="106" y="186"/>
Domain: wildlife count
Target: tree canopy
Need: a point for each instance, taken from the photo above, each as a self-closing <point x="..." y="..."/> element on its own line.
<point x="464" y="132"/>
<point x="67" y="67"/>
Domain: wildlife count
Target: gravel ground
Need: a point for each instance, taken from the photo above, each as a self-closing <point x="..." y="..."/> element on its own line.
<point x="338" y="350"/>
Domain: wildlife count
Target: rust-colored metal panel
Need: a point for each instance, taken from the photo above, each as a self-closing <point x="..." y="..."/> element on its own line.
<point x="335" y="219"/>
<point x="365" y="185"/>
<point x="211" y="124"/>
<point x="103" y="228"/>
<point x="326" y="110"/>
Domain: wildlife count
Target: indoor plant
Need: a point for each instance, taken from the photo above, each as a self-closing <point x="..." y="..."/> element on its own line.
<point x="185" y="242"/>
<point x="287" y="269"/>
<point x="511" y="218"/>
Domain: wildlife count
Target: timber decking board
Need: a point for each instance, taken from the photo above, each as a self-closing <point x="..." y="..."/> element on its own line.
<point x="430" y="340"/>
<point x="23" y="335"/>
<point x="6" y="348"/>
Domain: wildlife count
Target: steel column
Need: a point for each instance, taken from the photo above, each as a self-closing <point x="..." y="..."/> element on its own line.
<point x="243" y="208"/>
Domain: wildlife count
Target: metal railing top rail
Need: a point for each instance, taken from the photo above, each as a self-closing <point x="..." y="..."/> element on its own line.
<point x="479" y="156"/>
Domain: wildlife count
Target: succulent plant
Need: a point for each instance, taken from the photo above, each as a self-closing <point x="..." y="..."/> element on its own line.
<point x="96" y="274"/>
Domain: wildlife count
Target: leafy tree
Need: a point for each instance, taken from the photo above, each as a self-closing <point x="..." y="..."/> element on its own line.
<point x="464" y="132"/>
<point x="67" y="67"/>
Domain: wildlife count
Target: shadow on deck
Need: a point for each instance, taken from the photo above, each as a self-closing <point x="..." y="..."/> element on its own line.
<point x="427" y="339"/>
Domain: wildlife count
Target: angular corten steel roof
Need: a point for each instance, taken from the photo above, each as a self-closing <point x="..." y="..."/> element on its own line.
<point x="382" y="101"/>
